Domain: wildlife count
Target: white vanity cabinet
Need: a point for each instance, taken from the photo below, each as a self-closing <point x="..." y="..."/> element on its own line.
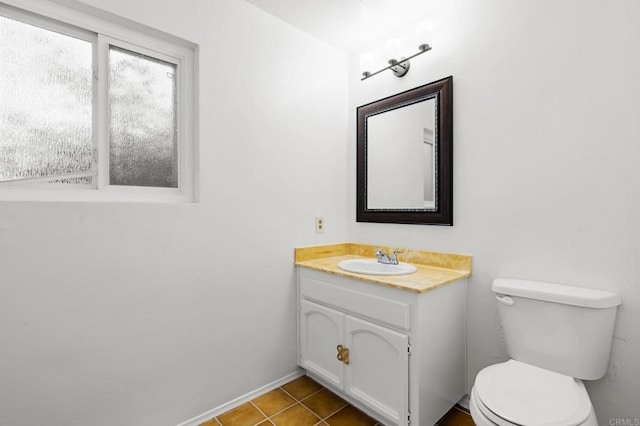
<point x="398" y="355"/>
<point x="365" y="360"/>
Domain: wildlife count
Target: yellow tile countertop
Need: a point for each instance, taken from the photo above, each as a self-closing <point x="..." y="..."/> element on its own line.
<point x="433" y="269"/>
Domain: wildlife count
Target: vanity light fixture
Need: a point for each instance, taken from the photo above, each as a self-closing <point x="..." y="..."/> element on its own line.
<point x="398" y="67"/>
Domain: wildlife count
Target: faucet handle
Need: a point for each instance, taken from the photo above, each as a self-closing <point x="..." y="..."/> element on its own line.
<point x="393" y="257"/>
<point x="381" y="255"/>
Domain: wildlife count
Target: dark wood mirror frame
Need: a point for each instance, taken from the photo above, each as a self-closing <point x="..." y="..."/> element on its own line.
<point x="442" y="91"/>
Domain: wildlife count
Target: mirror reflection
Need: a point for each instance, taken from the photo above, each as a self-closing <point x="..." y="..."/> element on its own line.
<point x="401" y="156"/>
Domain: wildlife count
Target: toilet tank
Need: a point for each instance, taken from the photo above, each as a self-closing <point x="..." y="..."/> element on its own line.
<point x="562" y="328"/>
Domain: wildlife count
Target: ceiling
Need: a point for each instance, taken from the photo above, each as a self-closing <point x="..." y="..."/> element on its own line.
<point x="348" y="25"/>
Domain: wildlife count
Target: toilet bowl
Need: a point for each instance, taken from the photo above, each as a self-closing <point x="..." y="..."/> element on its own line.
<point x="556" y="336"/>
<point x="515" y="393"/>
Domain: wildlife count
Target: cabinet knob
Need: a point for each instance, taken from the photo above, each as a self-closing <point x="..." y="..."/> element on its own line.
<point x="343" y="354"/>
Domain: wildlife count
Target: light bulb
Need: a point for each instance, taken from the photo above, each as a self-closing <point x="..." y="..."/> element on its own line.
<point x="366" y="62"/>
<point x="392" y="49"/>
<point x="424" y="34"/>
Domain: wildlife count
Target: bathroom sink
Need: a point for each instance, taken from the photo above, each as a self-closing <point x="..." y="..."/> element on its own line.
<point x="373" y="267"/>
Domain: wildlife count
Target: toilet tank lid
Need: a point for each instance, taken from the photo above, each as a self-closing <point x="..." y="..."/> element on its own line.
<point x="558" y="293"/>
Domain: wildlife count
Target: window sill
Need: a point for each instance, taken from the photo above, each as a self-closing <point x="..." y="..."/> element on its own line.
<point x="129" y="195"/>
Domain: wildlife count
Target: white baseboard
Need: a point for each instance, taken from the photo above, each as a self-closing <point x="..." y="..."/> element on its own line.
<point x="242" y="399"/>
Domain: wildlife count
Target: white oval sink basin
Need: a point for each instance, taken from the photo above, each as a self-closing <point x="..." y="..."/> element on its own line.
<point x="373" y="267"/>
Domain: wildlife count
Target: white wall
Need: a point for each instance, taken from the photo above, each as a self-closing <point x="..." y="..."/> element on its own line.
<point x="151" y="314"/>
<point x="546" y="151"/>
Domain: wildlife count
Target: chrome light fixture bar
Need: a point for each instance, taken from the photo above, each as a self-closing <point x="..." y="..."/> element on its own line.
<point x="399" y="68"/>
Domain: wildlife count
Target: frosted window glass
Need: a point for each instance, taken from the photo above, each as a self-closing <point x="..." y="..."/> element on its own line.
<point x="45" y="104"/>
<point x="142" y="120"/>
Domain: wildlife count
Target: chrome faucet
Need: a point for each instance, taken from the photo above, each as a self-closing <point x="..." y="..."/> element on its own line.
<point x="385" y="258"/>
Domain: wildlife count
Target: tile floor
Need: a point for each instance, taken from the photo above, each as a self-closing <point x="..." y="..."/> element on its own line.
<point x="303" y="402"/>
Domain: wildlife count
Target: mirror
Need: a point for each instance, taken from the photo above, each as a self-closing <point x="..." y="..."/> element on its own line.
<point x="405" y="157"/>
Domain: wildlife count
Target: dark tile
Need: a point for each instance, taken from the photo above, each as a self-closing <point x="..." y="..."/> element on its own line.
<point x="350" y="416"/>
<point x="324" y="403"/>
<point x="244" y="415"/>
<point x="301" y="387"/>
<point x="274" y="401"/>
<point x="296" y="415"/>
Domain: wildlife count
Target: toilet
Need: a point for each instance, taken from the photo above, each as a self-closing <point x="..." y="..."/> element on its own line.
<point x="556" y="336"/>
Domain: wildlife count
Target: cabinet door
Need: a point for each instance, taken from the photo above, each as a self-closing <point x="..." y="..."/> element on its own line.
<point x="321" y="331"/>
<point x="378" y="372"/>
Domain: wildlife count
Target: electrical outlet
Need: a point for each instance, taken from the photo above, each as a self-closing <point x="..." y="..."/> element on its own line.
<point x="319" y="225"/>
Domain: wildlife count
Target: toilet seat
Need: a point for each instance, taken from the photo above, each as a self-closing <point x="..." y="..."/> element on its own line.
<point x="515" y="393"/>
<point x="482" y="416"/>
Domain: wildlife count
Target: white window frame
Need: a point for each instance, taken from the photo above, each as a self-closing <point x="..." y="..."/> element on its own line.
<point x="104" y="30"/>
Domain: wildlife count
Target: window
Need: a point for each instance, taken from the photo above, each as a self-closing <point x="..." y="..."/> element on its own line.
<point x="99" y="113"/>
